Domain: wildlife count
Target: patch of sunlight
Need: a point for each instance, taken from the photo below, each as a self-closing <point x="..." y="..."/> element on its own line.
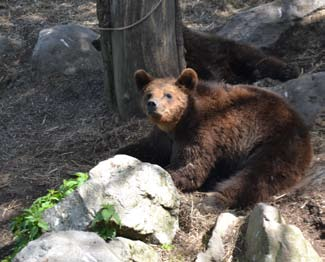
<point x="32" y="17"/>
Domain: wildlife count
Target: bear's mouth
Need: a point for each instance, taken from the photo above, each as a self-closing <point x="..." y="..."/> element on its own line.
<point x="154" y="116"/>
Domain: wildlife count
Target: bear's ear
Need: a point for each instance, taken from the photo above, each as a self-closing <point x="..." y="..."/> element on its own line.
<point x="188" y="78"/>
<point x="142" y="78"/>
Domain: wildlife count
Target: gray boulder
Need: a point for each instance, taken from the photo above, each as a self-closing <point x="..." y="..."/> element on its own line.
<point x="263" y="25"/>
<point x="269" y="239"/>
<point x="306" y="94"/>
<point x="76" y="246"/>
<point x="67" y="50"/>
<point x="143" y="195"/>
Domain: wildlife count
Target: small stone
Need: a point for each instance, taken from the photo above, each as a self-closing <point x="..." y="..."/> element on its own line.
<point x="215" y="251"/>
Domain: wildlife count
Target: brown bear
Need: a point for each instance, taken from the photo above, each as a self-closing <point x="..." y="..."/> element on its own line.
<point x="205" y="131"/>
<point x="232" y="62"/>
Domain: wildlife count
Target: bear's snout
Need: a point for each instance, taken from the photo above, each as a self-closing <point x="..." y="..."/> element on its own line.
<point x="151" y="106"/>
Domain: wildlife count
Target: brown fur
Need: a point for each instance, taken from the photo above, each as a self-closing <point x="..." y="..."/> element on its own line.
<point x="208" y="131"/>
<point x="217" y="58"/>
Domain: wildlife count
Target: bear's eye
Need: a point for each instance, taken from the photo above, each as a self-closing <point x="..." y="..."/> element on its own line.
<point x="148" y="96"/>
<point x="169" y="96"/>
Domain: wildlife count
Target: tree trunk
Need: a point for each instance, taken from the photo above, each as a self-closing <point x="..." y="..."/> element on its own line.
<point x="156" y="45"/>
<point x="106" y="47"/>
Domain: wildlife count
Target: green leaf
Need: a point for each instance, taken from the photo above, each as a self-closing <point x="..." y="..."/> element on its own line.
<point x="167" y="247"/>
<point x="71" y="183"/>
<point x="81" y="177"/>
<point x="34" y="233"/>
<point x="43" y="225"/>
<point x="107" y="214"/>
<point x="108" y="233"/>
<point x="46" y="205"/>
<point x="116" y="219"/>
<point x="68" y="192"/>
<point x="99" y="216"/>
<point x="102" y="222"/>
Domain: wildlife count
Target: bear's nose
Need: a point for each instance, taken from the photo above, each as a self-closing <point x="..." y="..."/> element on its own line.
<point x="151" y="106"/>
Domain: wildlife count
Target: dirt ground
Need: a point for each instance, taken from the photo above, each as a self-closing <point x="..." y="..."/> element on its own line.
<point x="51" y="129"/>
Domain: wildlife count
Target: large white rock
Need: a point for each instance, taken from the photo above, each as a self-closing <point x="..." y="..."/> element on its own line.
<point x="268" y="239"/>
<point x="78" y="246"/>
<point x="143" y="195"/>
<point x="263" y="25"/>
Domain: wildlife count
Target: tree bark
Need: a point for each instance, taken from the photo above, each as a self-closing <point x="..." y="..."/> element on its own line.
<point x="154" y="45"/>
<point x="106" y="49"/>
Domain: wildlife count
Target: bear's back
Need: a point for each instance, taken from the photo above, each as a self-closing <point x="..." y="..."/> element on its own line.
<point x="240" y="117"/>
<point x="253" y="103"/>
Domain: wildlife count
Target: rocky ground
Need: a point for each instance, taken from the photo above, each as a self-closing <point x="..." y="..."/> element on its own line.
<point x="52" y="128"/>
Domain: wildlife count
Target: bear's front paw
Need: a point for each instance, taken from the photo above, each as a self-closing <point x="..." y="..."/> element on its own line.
<point x="183" y="183"/>
<point x="212" y="202"/>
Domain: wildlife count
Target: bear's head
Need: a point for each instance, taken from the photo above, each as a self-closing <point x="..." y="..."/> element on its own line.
<point x="164" y="100"/>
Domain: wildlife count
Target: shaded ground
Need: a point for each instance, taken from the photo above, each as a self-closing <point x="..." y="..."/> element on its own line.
<point x="51" y="129"/>
<point x="210" y="15"/>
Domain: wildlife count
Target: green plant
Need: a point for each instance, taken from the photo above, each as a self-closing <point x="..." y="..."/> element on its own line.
<point x="167" y="247"/>
<point x="30" y="224"/>
<point x="106" y="222"/>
